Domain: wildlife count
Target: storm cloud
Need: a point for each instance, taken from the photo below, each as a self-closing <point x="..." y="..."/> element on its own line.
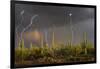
<point x="49" y="17"/>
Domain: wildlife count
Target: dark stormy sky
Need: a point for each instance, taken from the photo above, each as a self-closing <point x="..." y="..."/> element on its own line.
<point x="53" y="18"/>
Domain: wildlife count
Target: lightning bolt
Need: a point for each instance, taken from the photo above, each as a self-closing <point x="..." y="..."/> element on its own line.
<point x="21" y="13"/>
<point x="33" y="17"/>
<point x="71" y="27"/>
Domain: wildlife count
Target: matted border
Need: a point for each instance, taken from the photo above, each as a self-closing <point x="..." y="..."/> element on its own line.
<point x="12" y="31"/>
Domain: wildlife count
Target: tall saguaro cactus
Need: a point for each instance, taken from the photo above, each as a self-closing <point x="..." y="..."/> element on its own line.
<point x="53" y="39"/>
<point x="84" y="43"/>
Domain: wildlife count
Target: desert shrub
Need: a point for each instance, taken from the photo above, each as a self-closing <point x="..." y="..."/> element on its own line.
<point x="90" y="51"/>
<point x="35" y="52"/>
<point x="18" y="54"/>
<point x="65" y="51"/>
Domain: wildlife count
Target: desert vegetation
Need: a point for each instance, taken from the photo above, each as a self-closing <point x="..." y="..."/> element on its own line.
<point x="68" y="53"/>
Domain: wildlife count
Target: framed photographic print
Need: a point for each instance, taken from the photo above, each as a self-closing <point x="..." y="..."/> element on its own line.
<point x="50" y="34"/>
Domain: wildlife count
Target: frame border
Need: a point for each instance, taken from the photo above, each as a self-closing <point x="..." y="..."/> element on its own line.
<point x="12" y="31"/>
